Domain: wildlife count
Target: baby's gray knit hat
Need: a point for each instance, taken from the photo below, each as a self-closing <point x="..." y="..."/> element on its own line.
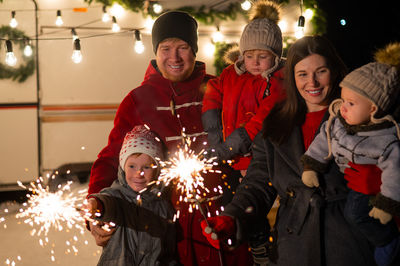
<point x="377" y="81"/>
<point x="262" y="32"/>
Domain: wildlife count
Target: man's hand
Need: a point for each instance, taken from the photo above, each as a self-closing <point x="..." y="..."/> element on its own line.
<point x="100" y="235"/>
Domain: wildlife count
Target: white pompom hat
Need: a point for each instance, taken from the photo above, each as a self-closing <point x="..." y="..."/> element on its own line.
<point x="141" y="140"/>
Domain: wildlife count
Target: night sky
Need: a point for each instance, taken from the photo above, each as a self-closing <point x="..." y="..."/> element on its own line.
<point x="370" y="25"/>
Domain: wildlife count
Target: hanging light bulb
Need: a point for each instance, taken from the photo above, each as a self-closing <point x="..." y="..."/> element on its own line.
<point x="246" y="5"/>
<point x="115" y="26"/>
<point x="217" y="36"/>
<point x="76" y="54"/>
<point x="59" y="20"/>
<point x="106" y="16"/>
<point x="13" y="21"/>
<point x="28" y="48"/>
<point x="283" y="25"/>
<point x="157" y="8"/>
<point x="139" y="47"/>
<point x="309" y="13"/>
<point x="11" y="60"/>
<point x="74" y="35"/>
<point x="299" y="32"/>
<point x="117" y="10"/>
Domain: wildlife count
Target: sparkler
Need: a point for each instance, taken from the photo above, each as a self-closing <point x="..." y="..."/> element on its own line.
<point x="185" y="170"/>
<point x="47" y="209"/>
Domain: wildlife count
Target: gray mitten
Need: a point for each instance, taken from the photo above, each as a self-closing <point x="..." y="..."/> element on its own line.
<point x="212" y="124"/>
<point x="238" y="143"/>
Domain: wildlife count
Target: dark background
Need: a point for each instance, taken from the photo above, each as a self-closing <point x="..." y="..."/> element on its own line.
<point x="370" y="26"/>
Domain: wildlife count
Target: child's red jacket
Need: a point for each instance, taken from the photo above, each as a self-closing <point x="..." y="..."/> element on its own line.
<point x="245" y="100"/>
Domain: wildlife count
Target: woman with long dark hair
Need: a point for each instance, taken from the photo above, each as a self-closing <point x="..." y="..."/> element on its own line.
<point x="310" y="228"/>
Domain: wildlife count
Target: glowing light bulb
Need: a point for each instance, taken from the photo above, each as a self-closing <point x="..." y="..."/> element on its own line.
<point x="217" y="36"/>
<point x="209" y="50"/>
<point x="115" y="26"/>
<point x="283" y="25"/>
<point x="106" y="16"/>
<point x="157" y="8"/>
<point x="299" y="32"/>
<point x="11" y="60"/>
<point x="13" y="21"/>
<point x="139" y="47"/>
<point x="246" y="5"/>
<point x="76" y="54"/>
<point x="117" y="10"/>
<point x="59" y="20"/>
<point x="28" y="50"/>
<point x="308" y="13"/>
<point x="148" y="24"/>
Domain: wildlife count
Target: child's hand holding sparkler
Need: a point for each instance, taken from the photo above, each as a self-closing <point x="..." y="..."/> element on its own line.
<point x="91" y="209"/>
<point x="101" y="231"/>
<point x="218" y="228"/>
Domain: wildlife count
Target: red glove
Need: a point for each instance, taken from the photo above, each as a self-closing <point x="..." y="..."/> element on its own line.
<point x="218" y="228"/>
<point x="363" y="178"/>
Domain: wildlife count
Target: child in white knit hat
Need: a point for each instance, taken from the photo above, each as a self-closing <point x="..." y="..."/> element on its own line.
<point x="145" y="232"/>
<point x="236" y="103"/>
<point x="362" y="130"/>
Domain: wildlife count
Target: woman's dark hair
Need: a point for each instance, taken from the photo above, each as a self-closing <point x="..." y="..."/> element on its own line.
<point x="291" y="112"/>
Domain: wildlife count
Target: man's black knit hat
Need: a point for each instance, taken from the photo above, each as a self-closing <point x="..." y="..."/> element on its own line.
<point x="175" y="24"/>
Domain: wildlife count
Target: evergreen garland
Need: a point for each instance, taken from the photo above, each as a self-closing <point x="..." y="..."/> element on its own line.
<point x="26" y="69"/>
<point x="203" y="14"/>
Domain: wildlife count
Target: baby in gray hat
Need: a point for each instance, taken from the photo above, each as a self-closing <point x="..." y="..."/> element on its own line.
<point x="362" y="130"/>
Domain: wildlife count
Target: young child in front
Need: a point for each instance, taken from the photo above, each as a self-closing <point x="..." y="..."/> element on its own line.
<point x="145" y="233"/>
<point x="362" y="130"/>
<point x="236" y="103"/>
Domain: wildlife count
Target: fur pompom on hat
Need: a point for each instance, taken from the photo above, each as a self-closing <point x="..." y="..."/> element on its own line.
<point x="263" y="32"/>
<point x="175" y="24"/>
<point x="141" y="140"/>
<point x="378" y="81"/>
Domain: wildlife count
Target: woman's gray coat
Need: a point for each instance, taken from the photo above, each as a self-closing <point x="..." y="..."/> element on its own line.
<point x="310" y="227"/>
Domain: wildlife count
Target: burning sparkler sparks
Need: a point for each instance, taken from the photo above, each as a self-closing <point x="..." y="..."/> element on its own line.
<point x="47" y="209"/>
<point x="48" y="214"/>
<point x="185" y="170"/>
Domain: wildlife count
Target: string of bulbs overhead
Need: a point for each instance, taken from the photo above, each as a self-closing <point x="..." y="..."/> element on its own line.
<point x="11" y="60"/>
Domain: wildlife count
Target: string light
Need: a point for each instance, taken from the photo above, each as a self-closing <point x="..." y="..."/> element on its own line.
<point x="74" y="34"/>
<point x="217" y="36"/>
<point x="59" y="20"/>
<point x="117" y="10"/>
<point x="76" y="54"/>
<point x="299" y="32"/>
<point x="28" y="48"/>
<point x="157" y="8"/>
<point x="115" y="26"/>
<point x="11" y="60"/>
<point x="139" y="47"/>
<point x="283" y="25"/>
<point x="246" y="5"/>
<point x="13" y="21"/>
<point x="106" y="16"/>
<point x="309" y="13"/>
